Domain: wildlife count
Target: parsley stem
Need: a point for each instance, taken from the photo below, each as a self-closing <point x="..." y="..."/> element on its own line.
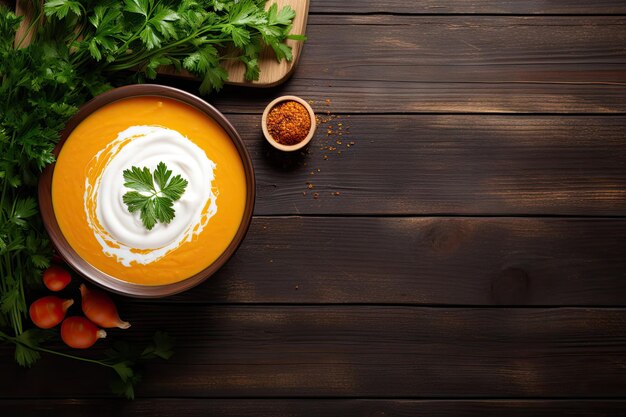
<point x="133" y="37"/>
<point x="16" y="318"/>
<point x="21" y="304"/>
<point x="65" y="355"/>
<point x="123" y="64"/>
<point x="133" y="60"/>
<point x="137" y="33"/>
<point x="5" y="183"/>
<point x="7" y="338"/>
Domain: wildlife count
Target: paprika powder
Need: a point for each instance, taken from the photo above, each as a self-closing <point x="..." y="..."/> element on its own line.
<point x="288" y="123"/>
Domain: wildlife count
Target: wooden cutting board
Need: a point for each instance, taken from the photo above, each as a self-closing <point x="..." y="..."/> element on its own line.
<point x="272" y="72"/>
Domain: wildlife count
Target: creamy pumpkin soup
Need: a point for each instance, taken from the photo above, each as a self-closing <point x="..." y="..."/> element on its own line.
<point x="149" y="190"/>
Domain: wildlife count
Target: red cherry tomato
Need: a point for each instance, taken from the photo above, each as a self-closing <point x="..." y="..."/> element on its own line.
<point x="80" y="333"/>
<point x="48" y="311"/>
<point x="55" y="278"/>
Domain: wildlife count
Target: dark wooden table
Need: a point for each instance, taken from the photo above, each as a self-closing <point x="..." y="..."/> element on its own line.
<point x="465" y="255"/>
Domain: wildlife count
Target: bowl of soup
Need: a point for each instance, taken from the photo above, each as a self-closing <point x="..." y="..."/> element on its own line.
<point x="151" y="193"/>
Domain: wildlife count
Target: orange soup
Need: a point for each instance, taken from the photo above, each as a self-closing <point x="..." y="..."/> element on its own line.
<point x="165" y="143"/>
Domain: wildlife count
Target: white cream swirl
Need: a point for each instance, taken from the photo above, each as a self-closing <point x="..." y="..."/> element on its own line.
<point x="121" y="233"/>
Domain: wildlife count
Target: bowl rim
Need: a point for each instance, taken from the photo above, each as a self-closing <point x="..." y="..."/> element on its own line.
<point x="107" y="281"/>
<point x="280" y="146"/>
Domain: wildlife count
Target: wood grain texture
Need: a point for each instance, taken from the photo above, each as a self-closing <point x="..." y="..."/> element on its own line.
<point x="487" y="261"/>
<point x="467" y="49"/>
<point x="192" y="407"/>
<point x="533" y="7"/>
<point x="359" y="351"/>
<point x="376" y="97"/>
<point x="456" y="64"/>
<point x="434" y="164"/>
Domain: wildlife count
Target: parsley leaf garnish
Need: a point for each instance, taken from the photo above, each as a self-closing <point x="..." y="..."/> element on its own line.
<point x="154" y="195"/>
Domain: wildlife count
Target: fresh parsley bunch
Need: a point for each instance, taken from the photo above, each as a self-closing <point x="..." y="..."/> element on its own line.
<point x="193" y="35"/>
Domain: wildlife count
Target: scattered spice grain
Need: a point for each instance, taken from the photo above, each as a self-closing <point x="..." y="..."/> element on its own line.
<point x="289" y="123"/>
<point x="333" y="140"/>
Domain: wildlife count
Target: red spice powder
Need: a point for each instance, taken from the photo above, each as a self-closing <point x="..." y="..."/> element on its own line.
<point x="289" y="123"/>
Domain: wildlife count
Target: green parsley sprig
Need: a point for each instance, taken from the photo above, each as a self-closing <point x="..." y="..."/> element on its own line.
<point x="123" y="359"/>
<point x="154" y="195"/>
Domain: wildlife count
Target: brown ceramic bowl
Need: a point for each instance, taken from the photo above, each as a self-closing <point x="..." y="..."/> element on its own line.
<point x="109" y="282"/>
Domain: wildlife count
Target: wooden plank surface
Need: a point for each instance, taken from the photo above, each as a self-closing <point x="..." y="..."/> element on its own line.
<point x="192" y="407"/>
<point x="467" y="165"/>
<point x="484" y="261"/>
<point x="468" y="49"/>
<point x="504" y="7"/>
<point x="457" y="64"/>
<point x="360" y="351"/>
<point x="380" y="97"/>
<point x="354" y="304"/>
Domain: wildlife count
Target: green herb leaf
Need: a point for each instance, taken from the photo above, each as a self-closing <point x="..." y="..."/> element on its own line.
<point x="154" y="195"/>
<point x="138" y="179"/>
<point x="137" y="6"/>
<point x="213" y="79"/>
<point x="26" y="345"/>
<point x="154" y="64"/>
<point x="162" y="22"/>
<point x="202" y="60"/>
<point x="239" y="35"/>
<point x="150" y="38"/>
<point x="60" y="8"/>
<point x="163" y="209"/>
<point x="281" y="51"/>
<point x="125" y="358"/>
<point x="161" y="347"/>
<point x="252" y="68"/>
<point x="10" y="300"/>
<point x="26" y="356"/>
<point x="40" y="261"/>
<point x="162" y="175"/>
<point x="126" y="388"/>
<point x="135" y="201"/>
<point x="24" y="208"/>
<point x="301" y="38"/>
<point x="245" y="12"/>
<point x="282" y="17"/>
<point x="107" y="23"/>
<point x="124" y="370"/>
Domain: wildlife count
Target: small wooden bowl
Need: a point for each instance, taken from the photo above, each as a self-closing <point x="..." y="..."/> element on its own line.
<point x="107" y="281"/>
<point x="270" y="139"/>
